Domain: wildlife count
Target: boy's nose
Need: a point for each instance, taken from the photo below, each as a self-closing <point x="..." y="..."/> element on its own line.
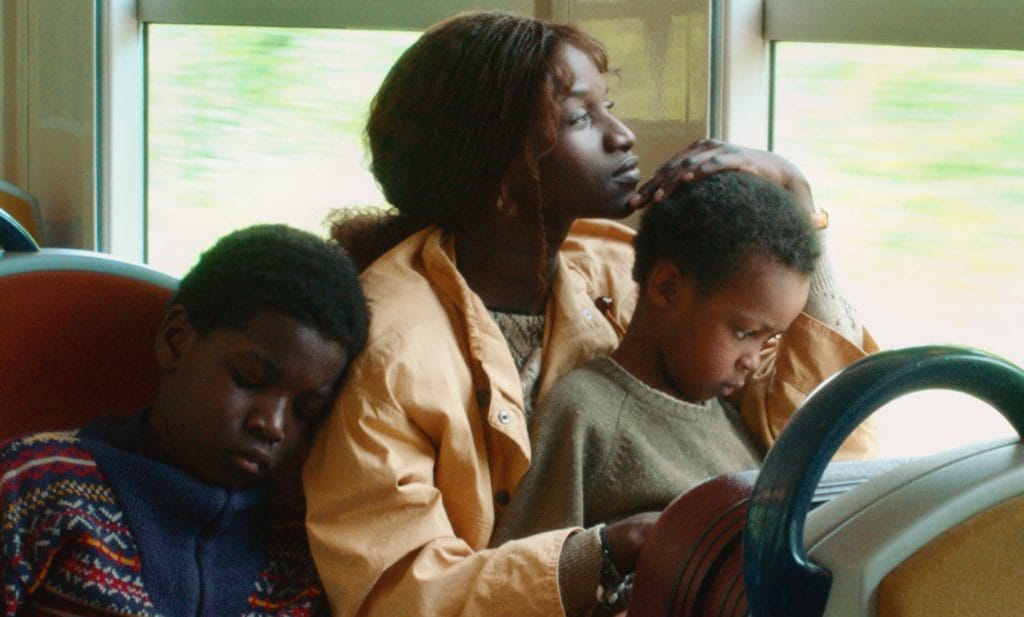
<point x="268" y="419"/>
<point x="750" y="361"/>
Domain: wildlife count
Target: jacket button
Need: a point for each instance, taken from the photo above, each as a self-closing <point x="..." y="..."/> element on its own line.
<point x="502" y="497"/>
<point x="504" y="417"/>
<point x="603" y="303"/>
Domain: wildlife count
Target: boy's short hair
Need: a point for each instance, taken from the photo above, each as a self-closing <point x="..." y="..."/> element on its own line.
<point x="708" y="229"/>
<point x="279" y="268"/>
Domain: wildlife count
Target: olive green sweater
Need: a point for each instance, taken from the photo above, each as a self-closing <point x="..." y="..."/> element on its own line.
<point x="606" y="445"/>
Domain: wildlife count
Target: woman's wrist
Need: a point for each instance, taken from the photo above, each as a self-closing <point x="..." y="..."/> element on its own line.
<point x="579" y="567"/>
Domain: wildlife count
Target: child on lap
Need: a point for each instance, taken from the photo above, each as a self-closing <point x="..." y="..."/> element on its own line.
<point x="724" y="266"/>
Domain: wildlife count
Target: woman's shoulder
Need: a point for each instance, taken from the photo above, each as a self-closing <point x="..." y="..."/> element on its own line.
<point x="412" y="323"/>
<point x="402" y="284"/>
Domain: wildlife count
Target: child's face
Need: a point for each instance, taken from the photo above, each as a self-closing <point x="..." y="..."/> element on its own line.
<point x="235" y="407"/>
<point x="712" y="343"/>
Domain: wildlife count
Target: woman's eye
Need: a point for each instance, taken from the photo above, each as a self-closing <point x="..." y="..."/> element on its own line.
<point x="580" y="117"/>
<point x="745" y="334"/>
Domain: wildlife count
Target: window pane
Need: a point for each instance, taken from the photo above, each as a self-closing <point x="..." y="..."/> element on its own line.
<point x="250" y="125"/>
<point x="918" y="154"/>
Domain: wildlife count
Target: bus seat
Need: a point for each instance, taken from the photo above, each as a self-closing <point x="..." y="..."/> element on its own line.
<point x="22" y="206"/>
<point x="940" y="535"/>
<point x="77" y="337"/>
<point x="972" y="568"/>
<point x="692" y="562"/>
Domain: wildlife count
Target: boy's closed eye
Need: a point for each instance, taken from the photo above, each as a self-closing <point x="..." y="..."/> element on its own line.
<point x="248" y="375"/>
<point x="311" y="408"/>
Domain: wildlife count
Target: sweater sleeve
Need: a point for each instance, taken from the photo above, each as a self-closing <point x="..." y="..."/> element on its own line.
<point x="828" y="304"/>
<point x="55" y="502"/>
<point x="22" y="568"/>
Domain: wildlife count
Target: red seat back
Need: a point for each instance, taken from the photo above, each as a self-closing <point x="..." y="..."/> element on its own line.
<point x="77" y="335"/>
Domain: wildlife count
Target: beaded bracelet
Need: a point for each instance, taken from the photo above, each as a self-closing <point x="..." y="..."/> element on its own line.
<point x="613" y="586"/>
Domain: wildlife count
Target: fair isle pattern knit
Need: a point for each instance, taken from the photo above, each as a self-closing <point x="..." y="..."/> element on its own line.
<point x="66" y="547"/>
<point x="68" y="550"/>
<point x="525" y="336"/>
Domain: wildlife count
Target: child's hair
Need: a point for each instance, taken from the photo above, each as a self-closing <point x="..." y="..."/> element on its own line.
<point x="710" y="228"/>
<point x="471" y="104"/>
<point x="279" y="268"/>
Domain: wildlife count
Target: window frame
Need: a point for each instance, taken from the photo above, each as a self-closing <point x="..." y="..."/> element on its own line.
<point x="744" y="30"/>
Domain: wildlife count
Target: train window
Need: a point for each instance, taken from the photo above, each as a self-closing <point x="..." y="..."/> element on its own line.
<point x="917" y="154"/>
<point x="255" y="124"/>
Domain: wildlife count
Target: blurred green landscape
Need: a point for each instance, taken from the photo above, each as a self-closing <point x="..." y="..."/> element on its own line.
<point x="918" y="154"/>
<point x="250" y="125"/>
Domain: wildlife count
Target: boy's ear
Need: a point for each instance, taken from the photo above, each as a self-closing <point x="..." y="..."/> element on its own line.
<point x="664" y="284"/>
<point x="173" y="338"/>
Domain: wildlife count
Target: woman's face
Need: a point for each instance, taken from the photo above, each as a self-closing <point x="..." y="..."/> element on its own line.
<point x="591" y="171"/>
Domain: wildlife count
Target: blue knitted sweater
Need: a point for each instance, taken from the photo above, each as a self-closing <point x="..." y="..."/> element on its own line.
<point x="93" y="526"/>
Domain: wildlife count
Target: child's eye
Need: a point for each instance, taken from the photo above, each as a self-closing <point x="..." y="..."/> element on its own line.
<point x="245" y="380"/>
<point x="309" y="411"/>
<point x="608" y="105"/>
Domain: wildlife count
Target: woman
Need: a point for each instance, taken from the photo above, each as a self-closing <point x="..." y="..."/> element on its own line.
<point x="493" y="137"/>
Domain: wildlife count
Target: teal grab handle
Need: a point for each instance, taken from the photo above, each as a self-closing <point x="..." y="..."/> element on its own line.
<point x="13" y="237"/>
<point x="780" y="579"/>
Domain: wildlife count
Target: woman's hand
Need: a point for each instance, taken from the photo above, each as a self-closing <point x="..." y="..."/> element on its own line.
<point x="708" y="156"/>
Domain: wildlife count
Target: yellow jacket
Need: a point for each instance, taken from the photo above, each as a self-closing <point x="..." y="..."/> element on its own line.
<point x="429" y="438"/>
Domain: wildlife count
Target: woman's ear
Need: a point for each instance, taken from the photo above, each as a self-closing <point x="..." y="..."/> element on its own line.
<point x="173" y="338"/>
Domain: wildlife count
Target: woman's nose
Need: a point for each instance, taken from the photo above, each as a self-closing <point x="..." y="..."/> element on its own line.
<point x="618" y="136"/>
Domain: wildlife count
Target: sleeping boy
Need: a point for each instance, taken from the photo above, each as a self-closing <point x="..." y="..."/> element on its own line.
<point x="178" y="509"/>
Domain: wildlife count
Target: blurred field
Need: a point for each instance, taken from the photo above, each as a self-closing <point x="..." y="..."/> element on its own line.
<point x="918" y="154"/>
<point x="254" y="125"/>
